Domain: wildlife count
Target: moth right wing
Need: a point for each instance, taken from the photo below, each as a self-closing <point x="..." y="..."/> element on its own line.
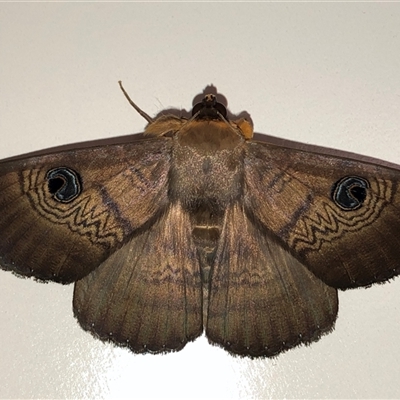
<point x="339" y="216"/>
<point x="262" y="300"/>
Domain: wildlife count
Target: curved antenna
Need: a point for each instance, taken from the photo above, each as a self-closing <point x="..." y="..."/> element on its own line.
<point x="139" y="110"/>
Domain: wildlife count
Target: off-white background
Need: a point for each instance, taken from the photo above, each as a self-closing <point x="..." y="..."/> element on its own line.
<point x="321" y="73"/>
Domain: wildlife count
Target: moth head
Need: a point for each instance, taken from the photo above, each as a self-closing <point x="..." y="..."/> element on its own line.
<point x="209" y="108"/>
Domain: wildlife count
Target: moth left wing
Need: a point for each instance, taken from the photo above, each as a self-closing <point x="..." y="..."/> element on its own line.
<point x="338" y="216"/>
<point x="147" y="295"/>
<point x="62" y="214"/>
<point x="262" y="301"/>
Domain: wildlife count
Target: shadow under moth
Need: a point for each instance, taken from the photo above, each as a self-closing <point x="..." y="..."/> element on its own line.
<point x="196" y="226"/>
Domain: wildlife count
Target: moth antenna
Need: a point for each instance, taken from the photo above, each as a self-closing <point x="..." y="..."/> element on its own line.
<point x="139" y="110"/>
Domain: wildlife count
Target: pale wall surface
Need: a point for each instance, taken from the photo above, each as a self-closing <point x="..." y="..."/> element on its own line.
<point x="318" y="73"/>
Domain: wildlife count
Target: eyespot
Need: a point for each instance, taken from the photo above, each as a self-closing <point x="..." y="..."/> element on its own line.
<point x="349" y="192"/>
<point x="64" y="184"/>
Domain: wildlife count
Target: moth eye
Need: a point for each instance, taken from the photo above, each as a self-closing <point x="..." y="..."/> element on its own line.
<point x="350" y="192"/>
<point x="64" y="184"/>
<point x="221" y="109"/>
<point x="209" y="108"/>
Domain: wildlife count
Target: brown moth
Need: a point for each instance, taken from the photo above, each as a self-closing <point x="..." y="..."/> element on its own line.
<point x="198" y="227"/>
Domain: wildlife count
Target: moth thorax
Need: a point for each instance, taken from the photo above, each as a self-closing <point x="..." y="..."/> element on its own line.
<point x="207" y="164"/>
<point x="211" y="180"/>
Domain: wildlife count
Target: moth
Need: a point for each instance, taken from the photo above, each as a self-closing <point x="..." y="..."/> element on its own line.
<point x="198" y="227"/>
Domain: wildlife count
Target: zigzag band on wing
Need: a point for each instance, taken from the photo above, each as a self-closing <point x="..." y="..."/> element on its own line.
<point x="328" y="221"/>
<point x="100" y="222"/>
